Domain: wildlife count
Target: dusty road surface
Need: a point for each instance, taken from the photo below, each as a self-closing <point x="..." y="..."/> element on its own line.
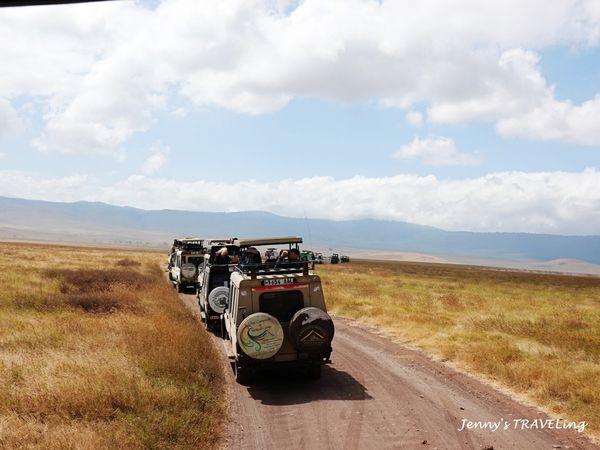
<point x="377" y="394"/>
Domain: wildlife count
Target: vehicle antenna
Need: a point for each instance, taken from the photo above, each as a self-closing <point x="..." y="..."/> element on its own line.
<point x="308" y="228"/>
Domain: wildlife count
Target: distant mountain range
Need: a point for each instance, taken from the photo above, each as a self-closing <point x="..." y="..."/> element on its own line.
<point x="103" y="223"/>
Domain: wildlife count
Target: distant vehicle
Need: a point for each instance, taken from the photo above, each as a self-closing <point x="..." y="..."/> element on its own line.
<point x="319" y="258"/>
<point x="213" y="282"/>
<point x="276" y="315"/>
<point x="335" y="258"/>
<point x="307" y="255"/>
<point x="344" y="259"/>
<point x="187" y="254"/>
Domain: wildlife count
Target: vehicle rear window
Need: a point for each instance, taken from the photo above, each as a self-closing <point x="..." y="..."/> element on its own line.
<point x="195" y="260"/>
<point x="281" y="304"/>
<point x="218" y="278"/>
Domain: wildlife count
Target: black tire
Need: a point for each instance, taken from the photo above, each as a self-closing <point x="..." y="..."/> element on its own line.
<point x="242" y="374"/>
<point x="311" y="330"/>
<point x="314" y="371"/>
<point x="180" y="288"/>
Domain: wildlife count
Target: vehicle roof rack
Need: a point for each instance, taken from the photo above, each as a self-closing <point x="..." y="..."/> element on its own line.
<point x="250" y="242"/>
<point x="188" y="244"/>
<point x="218" y="241"/>
<point x="255" y="270"/>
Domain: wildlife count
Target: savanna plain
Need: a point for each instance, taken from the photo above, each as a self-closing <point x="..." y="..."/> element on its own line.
<point x="535" y="334"/>
<point x="97" y="351"/>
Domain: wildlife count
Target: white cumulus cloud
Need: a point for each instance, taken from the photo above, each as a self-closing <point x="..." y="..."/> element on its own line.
<point x="556" y="120"/>
<point x="437" y="151"/>
<point x="156" y="160"/>
<point x="103" y="71"/>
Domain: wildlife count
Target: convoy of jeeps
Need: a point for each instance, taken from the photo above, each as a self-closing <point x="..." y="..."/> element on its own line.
<point x="261" y="296"/>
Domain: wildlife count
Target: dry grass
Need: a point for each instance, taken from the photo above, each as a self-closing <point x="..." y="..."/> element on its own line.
<point x="538" y="334"/>
<point x="97" y="351"/>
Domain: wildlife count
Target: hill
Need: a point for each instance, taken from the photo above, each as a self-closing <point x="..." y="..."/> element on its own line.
<point x="103" y="223"/>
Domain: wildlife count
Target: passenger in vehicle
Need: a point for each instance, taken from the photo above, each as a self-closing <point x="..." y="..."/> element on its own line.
<point x="294" y="255"/>
<point x="222" y="256"/>
<point x="251" y="256"/>
<point x="294" y="258"/>
<point x="289" y="258"/>
<point x="282" y="258"/>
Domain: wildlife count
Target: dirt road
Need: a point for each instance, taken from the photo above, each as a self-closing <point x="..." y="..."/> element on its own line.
<point x="377" y="394"/>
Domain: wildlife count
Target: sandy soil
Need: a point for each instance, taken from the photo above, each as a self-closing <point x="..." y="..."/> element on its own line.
<point x="377" y="394"/>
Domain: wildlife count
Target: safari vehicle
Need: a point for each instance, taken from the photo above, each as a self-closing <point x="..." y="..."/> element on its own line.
<point x="187" y="255"/>
<point x="276" y="315"/>
<point x="319" y="258"/>
<point x="178" y="244"/>
<point x="307" y="255"/>
<point x="344" y="259"/>
<point x="213" y="282"/>
<point x="335" y="258"/>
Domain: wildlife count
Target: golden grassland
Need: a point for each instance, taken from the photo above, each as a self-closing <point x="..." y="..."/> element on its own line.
<point x="97" y="351"/>
<point x="537" y="334"/>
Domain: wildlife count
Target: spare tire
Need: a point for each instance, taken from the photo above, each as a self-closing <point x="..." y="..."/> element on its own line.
<point x="311" y="331"/>
<point x="218" y="299"/>
<point x="260" y="335"/>
<point x="188" y="270"/>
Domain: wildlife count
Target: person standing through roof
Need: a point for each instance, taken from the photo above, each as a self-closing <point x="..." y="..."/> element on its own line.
<point x="222" y="256"/>
<point x="289" y="258"/>
<point x="294" y="258"/>
<point x="250" y="256"/>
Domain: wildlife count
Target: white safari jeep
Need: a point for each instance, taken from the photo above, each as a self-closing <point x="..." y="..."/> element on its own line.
<point x="276" y="312"/>
<point x="187" y="256"/>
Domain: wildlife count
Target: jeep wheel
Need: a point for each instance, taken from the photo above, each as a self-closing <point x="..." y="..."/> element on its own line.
<point x="180" y="288"/>
<point x="314" y="371"/>
<point x="242" y="374"/>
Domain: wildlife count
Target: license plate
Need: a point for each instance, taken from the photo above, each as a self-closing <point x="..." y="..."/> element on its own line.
<point x="278" y="282"/>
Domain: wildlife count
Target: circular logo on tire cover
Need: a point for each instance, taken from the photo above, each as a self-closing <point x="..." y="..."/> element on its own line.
<point x="218" y="299"/>
<point x="260" y="336"/>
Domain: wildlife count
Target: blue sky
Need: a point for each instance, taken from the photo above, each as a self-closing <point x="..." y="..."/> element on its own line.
<point x="508" y="127"/>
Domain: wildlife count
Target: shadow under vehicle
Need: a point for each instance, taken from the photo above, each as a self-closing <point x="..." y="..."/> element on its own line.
<point x="276" y="314"/>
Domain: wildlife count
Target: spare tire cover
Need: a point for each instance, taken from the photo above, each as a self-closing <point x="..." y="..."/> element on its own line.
<point x="218" y="299"/>
<point x="311" y="330"/>
<point x="188" y="270"/>
<point x="260" y="335"/>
